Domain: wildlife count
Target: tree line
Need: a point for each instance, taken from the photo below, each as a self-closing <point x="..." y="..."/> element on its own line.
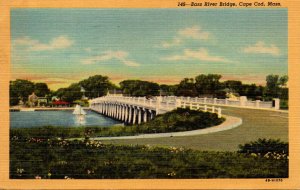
<point x="202" y="85"/>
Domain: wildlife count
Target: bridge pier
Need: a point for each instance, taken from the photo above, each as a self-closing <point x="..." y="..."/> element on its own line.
<point x="145" y="115"/>
<point x="130" y="115"/>
<point x="134" y="116"/>
<point x="139" y="116"/>
<point x="131" y="110"/>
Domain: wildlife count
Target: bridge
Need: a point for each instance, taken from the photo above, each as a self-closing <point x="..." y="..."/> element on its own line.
<point x="136" y="110"/>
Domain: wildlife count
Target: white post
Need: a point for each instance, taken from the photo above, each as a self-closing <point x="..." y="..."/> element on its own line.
<point x="158" y="103"/>
<point x="277" y="103"/>
<point x="257" y="103"/>
<point x="243" y="100"/>
<point x="226" y="101"/>
<point x="219" y="113"/>
<point x="205" y="108"/>
<point x="167" y="104"/>
<point x="213" y="109"/>
<point x="215" y="101"/>
<point x="178" y="103"/>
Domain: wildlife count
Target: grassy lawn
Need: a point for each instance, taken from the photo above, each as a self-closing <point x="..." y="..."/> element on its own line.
<point x="63" y="159"/>
<point x="256" y="124"/>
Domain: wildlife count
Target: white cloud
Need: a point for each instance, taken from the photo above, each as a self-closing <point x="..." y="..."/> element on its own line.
<point x="174" y="42"/>
<point x="200" y="54"/>
<point x="122" y="56"/>
<point x="262" y="48"/>
<point x="130" y="63"/>
<point x="194" y="32"/>
<point x="60" y="42"/>
<point x="89" y="50"/>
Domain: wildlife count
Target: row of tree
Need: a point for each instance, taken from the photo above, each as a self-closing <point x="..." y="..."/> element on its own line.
<point x="201" y="85"/>
<point x="211" y="85"/>
<point x="21" y="89"/>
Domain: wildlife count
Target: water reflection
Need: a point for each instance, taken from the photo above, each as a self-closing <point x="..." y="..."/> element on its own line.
<point x="80" y="119"/>
<point x="58" y="118"/>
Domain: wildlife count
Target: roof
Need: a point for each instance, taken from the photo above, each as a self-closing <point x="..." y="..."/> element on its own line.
<point x="60" y="102"/>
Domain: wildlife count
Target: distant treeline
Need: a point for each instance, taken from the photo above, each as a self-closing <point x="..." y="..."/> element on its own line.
<point x="201" y="85"/>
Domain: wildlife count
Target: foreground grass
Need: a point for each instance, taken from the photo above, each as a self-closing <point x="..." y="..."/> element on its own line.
<point x="62" y="159"/>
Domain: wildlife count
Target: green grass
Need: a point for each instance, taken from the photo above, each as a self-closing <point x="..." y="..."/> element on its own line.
<point x="256" y="124"/>
<point x="61" y="159"/>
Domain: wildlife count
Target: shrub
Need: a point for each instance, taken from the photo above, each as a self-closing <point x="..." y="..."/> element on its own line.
<point x="181" y="119"/>
<point x="268" y="148"/>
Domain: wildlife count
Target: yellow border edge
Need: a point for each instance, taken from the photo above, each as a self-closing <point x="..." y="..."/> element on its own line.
<point x="292" y="182"/>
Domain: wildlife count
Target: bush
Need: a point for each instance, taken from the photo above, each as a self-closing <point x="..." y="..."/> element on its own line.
<point x="181" y="119"/>
<point x="268" y="148"/>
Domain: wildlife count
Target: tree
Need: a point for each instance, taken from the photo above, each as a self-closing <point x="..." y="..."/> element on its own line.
<point x="70" y="94"/>
<point x="13" y="95"/>
<point x="233" y="85"/>
<point x="20" y="89"/>
<point x="283" y="81"/>
<point x="208" y="84"/>
<point x="41" y="89"/>
<point x="139" y="88"/>
<point x="168" y="90"/>
<point x="275" y="84"/>
<point x="96" y="86"/>
<point x="264" y="146"/>
<point x="186" y="87"/>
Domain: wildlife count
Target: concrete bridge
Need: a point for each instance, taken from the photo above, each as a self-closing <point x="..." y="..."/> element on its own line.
<point x="135" y="110"/>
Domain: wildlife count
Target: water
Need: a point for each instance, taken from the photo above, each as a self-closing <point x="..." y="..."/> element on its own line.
<point x="58" y="118"/>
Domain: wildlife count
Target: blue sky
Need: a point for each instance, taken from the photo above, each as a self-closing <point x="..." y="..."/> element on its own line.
<point x="61" y="46"/>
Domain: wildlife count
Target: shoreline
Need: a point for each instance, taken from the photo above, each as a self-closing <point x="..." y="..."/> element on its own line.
<point x="44" y="109"/>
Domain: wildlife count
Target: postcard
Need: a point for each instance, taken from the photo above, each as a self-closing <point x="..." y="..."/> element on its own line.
<point x="149" y="95"/>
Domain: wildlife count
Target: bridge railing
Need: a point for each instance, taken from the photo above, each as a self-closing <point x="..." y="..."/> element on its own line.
<point x="241" y="102"/>
<point x="159" y="104"/>
<point x="167" y="103"/>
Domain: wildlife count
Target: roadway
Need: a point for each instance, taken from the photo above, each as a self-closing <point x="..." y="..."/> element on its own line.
<point x="256" y="124"/>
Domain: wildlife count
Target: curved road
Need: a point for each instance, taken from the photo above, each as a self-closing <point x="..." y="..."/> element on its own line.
<point x="256" y="124"/>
